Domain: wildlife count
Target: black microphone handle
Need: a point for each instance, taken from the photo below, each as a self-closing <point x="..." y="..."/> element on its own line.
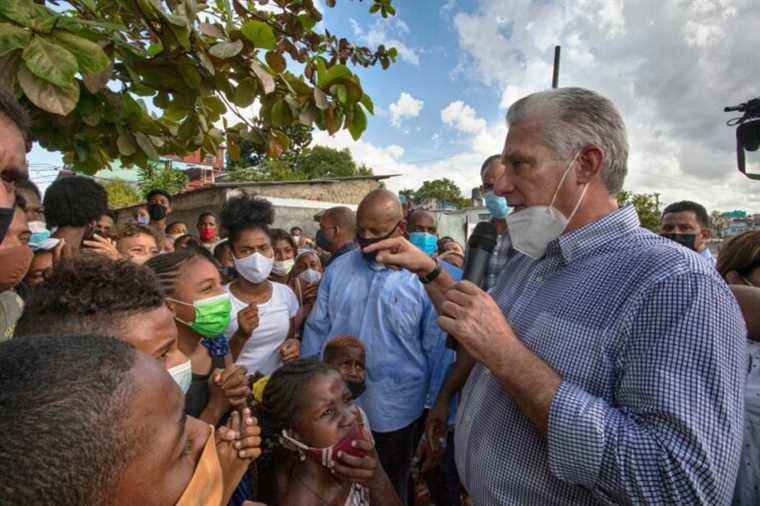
<point x="475" y="267"/>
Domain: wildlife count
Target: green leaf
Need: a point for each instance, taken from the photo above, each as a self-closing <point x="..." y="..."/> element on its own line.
<point x="320" y="99"/>
<point x="90" y="57"/>
<point x="47" y="96"/>
<point x="266" y="78"/>
<point x="333" y="74"/>
<point x="281" y="114"/>
<point x="96" y="82"/>
<point x="190" y="73"/>
<point x="225" y="50"/>
<point x="144" y="142"/>
<point x="374" y="8"/>
<point x="206" y="62"/>
<point x="358" y="123"/>
<point x="50" y="62"/>
<point x="342" y="93"/>
<point x="366" y="101"/>
<point x="29" y="14"/>
<point x="245" y="92"/>
<point x="155" y="49"/>
<point x="306" y="21"/>
<point x="12" y="37"/>
<point x="214" y="106"/>
<point x="259" y="33"/>
<point x="276" y="62"/>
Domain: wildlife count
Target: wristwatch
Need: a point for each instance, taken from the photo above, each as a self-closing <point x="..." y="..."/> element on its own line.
<point x="430" y="277"/>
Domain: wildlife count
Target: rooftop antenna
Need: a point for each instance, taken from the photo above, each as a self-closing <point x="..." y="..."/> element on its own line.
<point x="555" y="76"/>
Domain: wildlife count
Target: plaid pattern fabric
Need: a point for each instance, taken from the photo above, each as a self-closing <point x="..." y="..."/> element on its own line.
<point x="649" y="342"/>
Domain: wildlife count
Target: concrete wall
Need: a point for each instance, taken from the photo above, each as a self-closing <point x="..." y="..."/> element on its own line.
<point x="295" y="203"/>
<point x="460" y="223"/>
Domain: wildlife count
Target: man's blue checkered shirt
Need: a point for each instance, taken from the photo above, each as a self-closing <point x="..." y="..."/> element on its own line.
<point x="649" y="342"/>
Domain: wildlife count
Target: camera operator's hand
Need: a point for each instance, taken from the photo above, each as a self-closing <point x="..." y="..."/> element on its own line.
<point x="398" y="252"/>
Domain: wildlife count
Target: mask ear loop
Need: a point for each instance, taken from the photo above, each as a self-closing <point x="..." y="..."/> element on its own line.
<point x="562" y="180"/>
<point x="301" y="448"/>
<point x="175" y="315"/>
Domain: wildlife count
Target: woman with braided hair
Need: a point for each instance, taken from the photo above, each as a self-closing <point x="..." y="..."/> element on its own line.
<point x="191" y="281"/>
<point x="306" y="402"/>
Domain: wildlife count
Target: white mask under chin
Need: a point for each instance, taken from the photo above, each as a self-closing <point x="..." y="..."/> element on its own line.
<point x="532" y="229"/>
<point x="182" y="374"/>
<point x="254" y="268"/>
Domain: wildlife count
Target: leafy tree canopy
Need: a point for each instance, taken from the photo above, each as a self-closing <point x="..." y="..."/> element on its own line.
<point x="121" y="194"/>
<point x="161" y="176"/>
<point x="135" y="79"/>
<point x="442" y="190"/>
<point x="318" y="162"/>
<point x="647" y="206"/>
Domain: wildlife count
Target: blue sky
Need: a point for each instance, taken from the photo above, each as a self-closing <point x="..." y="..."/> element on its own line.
<point x="669" y="65"/>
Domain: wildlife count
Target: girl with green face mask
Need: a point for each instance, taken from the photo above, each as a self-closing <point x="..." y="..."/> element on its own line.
<point x="201" y="308"/>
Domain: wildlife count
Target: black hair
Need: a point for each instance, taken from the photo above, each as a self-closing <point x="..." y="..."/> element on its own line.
<point x="65" y="406"/>
<point x="336" y="344"/>
<point x="686" y="205"/>
<point x="174" y="224"/>
<point x="20" y="201"/>
<point x="11" y="110"/>
<point x="159" y="191"/>
<point x="132" y="229"/>
<point x="28" y="184"/>
<point x="487" y="163"/>
<point x="295" y="228"/>
<point x="192" y="241"/>
<point x="204" y="214"/>
<point x="278" y="234"/>
<point x="283" y="394"/>
<point x="90" y="294"/>
<point x="246" y="212"/>
<point x="74" y="201"/>
<point x="168" y="266"/>
<point x="219" y="249"/>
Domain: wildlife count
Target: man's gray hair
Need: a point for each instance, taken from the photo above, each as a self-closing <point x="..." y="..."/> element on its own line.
<point x="574" y="118"/>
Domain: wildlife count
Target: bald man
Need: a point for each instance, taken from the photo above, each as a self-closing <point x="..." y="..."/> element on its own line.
<point x="337" y="228"/>
<point x="389" y="311"/>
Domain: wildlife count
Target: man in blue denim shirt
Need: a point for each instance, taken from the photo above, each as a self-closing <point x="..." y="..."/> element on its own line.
<point x="390" y="312"/>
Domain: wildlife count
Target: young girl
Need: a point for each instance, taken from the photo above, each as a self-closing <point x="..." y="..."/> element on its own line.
<point x="261" y="331"/>
<point x="304" y="281"/>
<point x="307" y="403"/>
<point x="194" y="293"/>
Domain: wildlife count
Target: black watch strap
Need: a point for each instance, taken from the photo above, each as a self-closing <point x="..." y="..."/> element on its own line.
<point x="430" y="277"/>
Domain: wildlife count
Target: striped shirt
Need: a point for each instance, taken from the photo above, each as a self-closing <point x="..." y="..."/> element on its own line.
<point x="649" y="342"/>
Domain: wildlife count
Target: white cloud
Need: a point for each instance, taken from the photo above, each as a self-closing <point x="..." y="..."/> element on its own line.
<point x="462" y="117"/>
<point x="388" y="33"/>
<point x="669" y="65"/>
<point x="405" y="107"/>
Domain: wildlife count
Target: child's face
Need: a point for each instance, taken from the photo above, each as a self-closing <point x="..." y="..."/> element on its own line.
<point x="327" y="413"/>
<point x="349" y="361"/>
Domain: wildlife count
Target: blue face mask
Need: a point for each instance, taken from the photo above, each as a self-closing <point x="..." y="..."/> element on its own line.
<point x="425" y="241"/>
<point x="39" y="233"/>
<point x="496" y="205"/>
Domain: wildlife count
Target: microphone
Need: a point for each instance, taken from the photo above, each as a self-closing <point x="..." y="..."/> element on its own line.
<point x="479" y="250"/>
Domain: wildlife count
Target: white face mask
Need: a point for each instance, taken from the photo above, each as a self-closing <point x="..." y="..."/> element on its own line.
<point x="283" y="267"/>
<point x="532" y="229"/>
<point x="182" y="374"/>
<point x="310" y="276"/>
<point x="254" y="268"/>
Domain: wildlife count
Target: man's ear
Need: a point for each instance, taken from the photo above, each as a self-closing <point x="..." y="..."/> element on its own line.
<point x="706" y="233"/>
<point x="589" y="163"/>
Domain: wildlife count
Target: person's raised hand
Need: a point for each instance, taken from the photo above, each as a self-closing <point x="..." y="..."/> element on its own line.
<point x="248" y="321"/>
<point x="290" y="350"/>
<point x="233" y="384"/>
<point x="472" y="317"/>
<point x="309" y="294"/>
<point x="398" y="252"/>
<point x="233" y="466"/>
<point x="102" y="246"/>
<point x="365" y="470"/>
<point x="248" y="444"/>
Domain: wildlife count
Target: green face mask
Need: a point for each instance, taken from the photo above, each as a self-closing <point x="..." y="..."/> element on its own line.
<point x="212" y="315"/>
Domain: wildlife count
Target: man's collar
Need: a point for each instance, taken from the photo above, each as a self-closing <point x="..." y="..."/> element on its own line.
<point x="613" y="226"/>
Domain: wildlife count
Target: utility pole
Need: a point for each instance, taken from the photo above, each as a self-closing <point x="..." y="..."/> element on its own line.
<point x="555" y="76"/>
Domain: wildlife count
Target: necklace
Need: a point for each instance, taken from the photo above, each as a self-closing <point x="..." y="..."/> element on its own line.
<point x="322" y="500"/>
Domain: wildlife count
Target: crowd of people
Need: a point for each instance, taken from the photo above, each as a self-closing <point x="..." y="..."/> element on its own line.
<point x="145" y="363"/>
